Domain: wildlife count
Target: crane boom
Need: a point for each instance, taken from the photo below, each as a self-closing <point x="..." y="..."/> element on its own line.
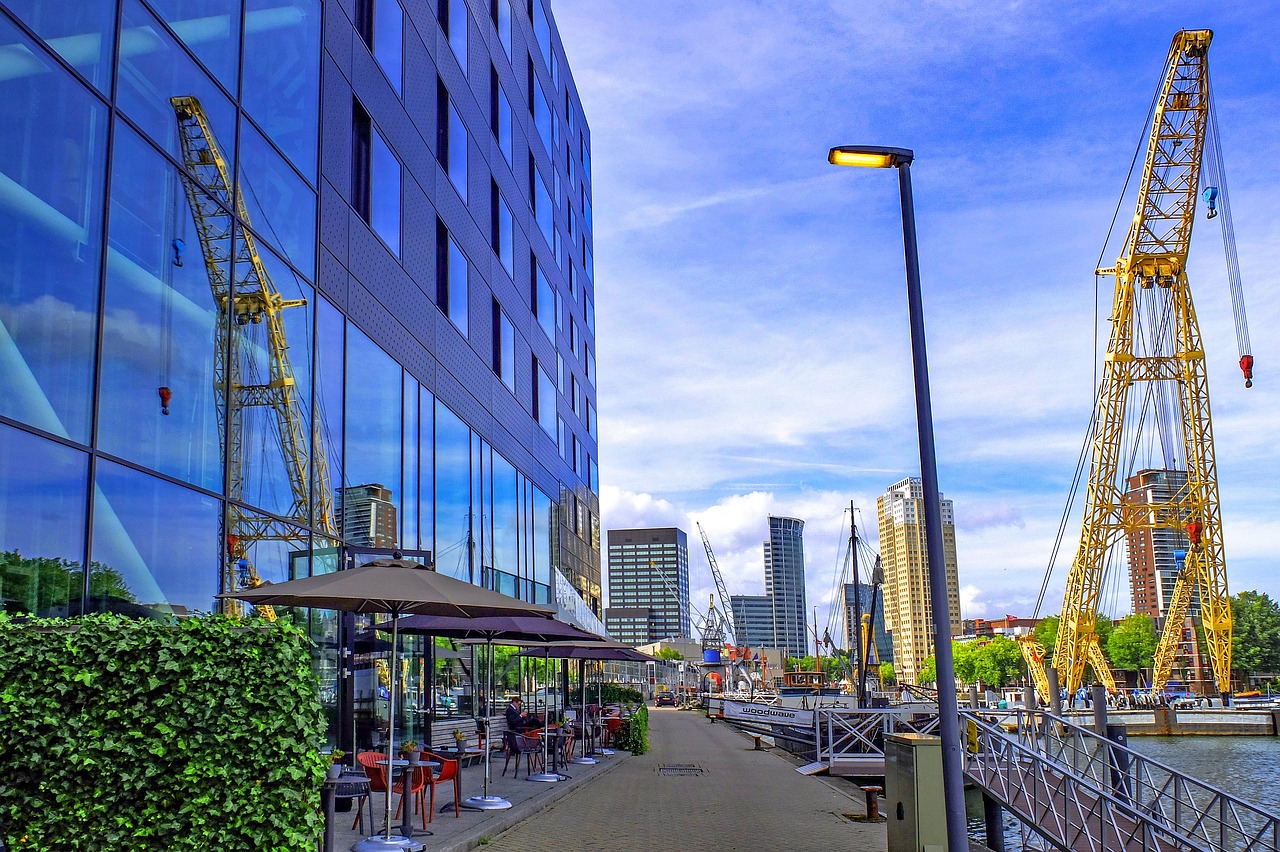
<point x="246" y="297"/>
<point x="730" y="624"/>
<point x="1155" y="338"/>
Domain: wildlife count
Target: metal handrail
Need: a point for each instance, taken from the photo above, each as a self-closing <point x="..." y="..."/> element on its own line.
<point x="859" y="732"/>
<point x="1172" y="806"/>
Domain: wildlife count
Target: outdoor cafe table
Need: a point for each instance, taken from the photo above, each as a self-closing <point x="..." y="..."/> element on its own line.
<point x="461" y="755"/>
<point x="406" y="804"/>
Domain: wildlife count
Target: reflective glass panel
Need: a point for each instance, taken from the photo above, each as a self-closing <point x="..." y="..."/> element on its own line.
<point x="504" y="128"/>
<point x="586" y="167"/>
<point x="546" y="303"/>
<point x="43" y="495"/>
<point x="281" y="205"/>
<point x="591" y="313"/>
<point x="388" y="40"/>
<point x="52" y="168"/>
<point x="262" y="548"/>
<point x="543" y="511"/>
<point x="505" y="246"/>
<point x="453" y="494"/>
<point x="542" y="118"/>
<point x="158" y="402"/>
<point x="330" y="347"/>
<point x="157" y="542"/>
<point x="384" y="194"/>
<point x="546" y="402"/>
<point x="458" y="26"/>
<point x="506" y="517"/>
<point x="588" y="260"/>
<point x="507" y="350"/>
<point x="542" y="31"/>
<point x="457" y="165"/>
<point x="82" y="33"/>
<point x="426" y="469"/>
<point x="211" y="28"/>
<point x="373" y="423"/>
<point x="282" y="75"/>
<point x="458" y="268"/>
<point x="272" y="425"/>
<point x="409" y="477"/>
<point x="504" y="24"/>
<point x="542" y="207"/>
<point x="155" y="68"/>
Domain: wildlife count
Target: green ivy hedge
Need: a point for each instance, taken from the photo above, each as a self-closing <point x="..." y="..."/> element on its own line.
<point x="634" y="735"/>
<point x="145" y="735"/>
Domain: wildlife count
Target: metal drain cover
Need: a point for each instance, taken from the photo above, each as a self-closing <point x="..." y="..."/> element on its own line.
<point x="679" y="769"/>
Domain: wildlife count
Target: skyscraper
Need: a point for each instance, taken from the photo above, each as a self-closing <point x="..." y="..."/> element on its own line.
<point x="648" y="585"/>
<point x="366" y="516"/>
<point x="1153" y="569"/>
<point x="907" y="608"/>
<point x="784" y="584"/>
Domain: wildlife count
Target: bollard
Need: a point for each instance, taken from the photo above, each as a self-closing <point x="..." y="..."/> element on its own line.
<point x="973" y="697"/>
<point x="758" y="746"/>
<point x="1055" y="691"/>
<point x="873" y="801"/>
<point x="1099" y="709"/>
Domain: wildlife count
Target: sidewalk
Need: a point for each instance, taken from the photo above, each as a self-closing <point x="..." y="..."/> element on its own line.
<point x="701" y="787"/>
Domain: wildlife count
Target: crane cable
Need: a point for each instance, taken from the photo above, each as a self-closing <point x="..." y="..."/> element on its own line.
<point x="1215" y="175"/>
<point x="1081" y="465"/>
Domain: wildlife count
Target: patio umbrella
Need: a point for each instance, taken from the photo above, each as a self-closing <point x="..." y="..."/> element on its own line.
<point x="607" y="650"/>
<point x="399" y="587"/>
<point x="509" y="629"/>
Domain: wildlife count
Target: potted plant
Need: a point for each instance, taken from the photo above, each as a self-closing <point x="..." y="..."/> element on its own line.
<point x="459" y="739"/>
<point x="335" y="768"/>
<point x="409" y="750"/>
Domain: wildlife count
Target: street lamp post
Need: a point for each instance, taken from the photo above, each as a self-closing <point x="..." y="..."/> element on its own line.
<point x="948" y="712"/>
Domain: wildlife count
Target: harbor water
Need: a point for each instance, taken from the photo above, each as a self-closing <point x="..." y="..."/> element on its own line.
<point x="1245" y="767"/>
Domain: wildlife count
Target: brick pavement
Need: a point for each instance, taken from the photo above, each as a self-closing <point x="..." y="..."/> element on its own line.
<point x="740" y="800"/>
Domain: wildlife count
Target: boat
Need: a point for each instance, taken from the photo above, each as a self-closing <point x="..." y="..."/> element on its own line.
<point x="807" y="683"/>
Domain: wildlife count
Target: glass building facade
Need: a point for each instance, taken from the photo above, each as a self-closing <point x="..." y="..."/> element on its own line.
<point x="648" y="585"/>
<point x="784" y="584"/>
<point x="284" y="283"/>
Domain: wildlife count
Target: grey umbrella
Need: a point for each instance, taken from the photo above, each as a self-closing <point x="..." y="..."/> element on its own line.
<point x="510" y="629"/>
<point x="396" y="586"/>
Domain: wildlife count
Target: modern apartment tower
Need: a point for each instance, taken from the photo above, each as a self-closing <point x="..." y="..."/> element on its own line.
<point x="784" y="584"/>
<point x="908" y="611"/>
<point x="1153" y="568"/>
<point x="648" y="585"/>
<point x="256" y="253"/>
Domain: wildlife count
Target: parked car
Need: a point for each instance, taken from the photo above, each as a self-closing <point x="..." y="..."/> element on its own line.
<point x="665" y="699"/>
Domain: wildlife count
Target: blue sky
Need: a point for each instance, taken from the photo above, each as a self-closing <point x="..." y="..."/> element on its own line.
<point x="753" y="350"/>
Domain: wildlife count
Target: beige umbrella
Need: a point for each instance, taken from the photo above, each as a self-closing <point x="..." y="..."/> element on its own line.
<point x="396" y="586"/>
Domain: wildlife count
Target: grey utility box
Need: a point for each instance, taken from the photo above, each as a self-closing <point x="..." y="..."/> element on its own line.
<point x="913" y="789"/>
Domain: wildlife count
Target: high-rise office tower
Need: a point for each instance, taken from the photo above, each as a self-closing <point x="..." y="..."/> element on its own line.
<point x="253" y="254"/>
<point x="784" y="584"/>
<point x="1153" y="568"/>
<point x="648" y="585"/>
<point x="753" y="617"/>
<point x="908" y="610"/>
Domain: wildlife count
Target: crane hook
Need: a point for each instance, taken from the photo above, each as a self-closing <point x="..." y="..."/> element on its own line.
<point x="1210" y="196"/>
<point x="165" y="396"/>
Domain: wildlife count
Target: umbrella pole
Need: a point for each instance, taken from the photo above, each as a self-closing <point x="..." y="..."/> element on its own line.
<point x="391" y="714"/>
<point x="582" y="719"/>
<point x="486" y="802"/>
<point x="544" y="775"/>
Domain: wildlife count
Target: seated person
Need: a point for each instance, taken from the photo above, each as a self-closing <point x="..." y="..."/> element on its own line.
<point x="518" y="720"/>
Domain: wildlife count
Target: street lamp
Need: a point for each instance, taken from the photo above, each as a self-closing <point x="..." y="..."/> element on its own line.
<point x="948" y="713"/>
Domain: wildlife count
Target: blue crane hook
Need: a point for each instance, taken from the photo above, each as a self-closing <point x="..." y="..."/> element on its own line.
<point x="1210" y="196"/>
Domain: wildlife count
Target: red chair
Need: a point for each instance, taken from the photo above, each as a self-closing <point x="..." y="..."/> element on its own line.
<point x="448" y="771"/>
<point x="378" y="779"/>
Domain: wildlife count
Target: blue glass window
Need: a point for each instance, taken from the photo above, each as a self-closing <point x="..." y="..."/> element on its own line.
<point x="591" y="419"/>
<point x="384" y="192"/>
<point x="500" y="117"/>
<point x="504" y="347"/>
<point x="373" y="424"/>
<point x="506" y="517"/>
<point x="160" y="322"/>
<point x="43" y="495"/>
<point x="543" y="118"/>
<point x="210" y="28"/>
<point x="282" y="75"/>
<point x="542" y="209"/>
<point x="388" y="41"/>
<point x="451" y="278"/>
<point x="453" y="495"/>
<point x="82" y="33"/>
<point x="454" y="21"/>
<point x="153" y="70"/>
<point x="410" y="478"/>
<point x="542" y="31"/>
<point x="457" y="163"/>
<point x="52" y="157"/>
<point x="158" y="541"/>
<point x="543" y="518"/>
<point x="545" y="301"/>
<point x="544" y="400"/>
<point x="588" y="260"/>
<point x="591" y="312"/>
<point x="591" y="366"/>
<point x="501" y="12"/>
<point x="330" y="351"/>
<point x="426" y="469"/>
<point x="586" y="210"/>
<point x="280" y="204"/>
<point x="574" y="395"/>
<point x="502" y="230"/>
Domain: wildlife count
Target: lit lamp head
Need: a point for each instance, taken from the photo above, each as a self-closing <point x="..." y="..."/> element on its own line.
<point x="869" y="156"/>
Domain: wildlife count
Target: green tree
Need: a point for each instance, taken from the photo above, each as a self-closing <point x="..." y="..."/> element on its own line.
<point x="669" y="654"/>
<point x="888" y="677"/>
<point x="998" y="662"/>
<point x="1132" y="645"/>
<point x="965" y="655"/>
<point x="928" y="672"/>
<point x="1255" y="636"/>
<point x="1047" y="632"/>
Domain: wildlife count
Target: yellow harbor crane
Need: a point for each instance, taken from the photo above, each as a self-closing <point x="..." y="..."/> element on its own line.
<point x="1155" y="349"/>
<point x="247" y="299"/>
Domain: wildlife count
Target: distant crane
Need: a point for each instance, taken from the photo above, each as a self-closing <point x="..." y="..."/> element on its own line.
<point x="731" y="630"/>
<point x="250" y="300"/>
<point x="1155" y="343"/>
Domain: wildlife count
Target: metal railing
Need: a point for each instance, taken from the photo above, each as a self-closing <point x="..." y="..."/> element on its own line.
<point x="843" y="733"/>
<point x="1081" y="790"/>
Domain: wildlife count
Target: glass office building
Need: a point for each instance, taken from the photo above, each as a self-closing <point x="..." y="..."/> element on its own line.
<point x="259" y="258"/>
